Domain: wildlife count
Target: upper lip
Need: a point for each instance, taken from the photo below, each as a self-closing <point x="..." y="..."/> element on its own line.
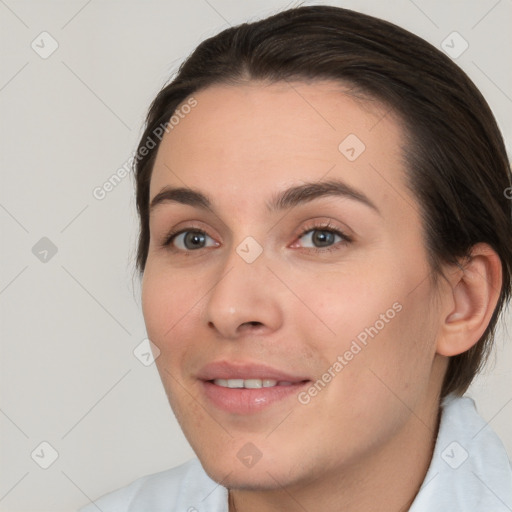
<point x="245" y="370"/>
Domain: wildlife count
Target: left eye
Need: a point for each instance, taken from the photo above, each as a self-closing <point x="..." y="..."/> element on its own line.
<point x="321" y="238"/>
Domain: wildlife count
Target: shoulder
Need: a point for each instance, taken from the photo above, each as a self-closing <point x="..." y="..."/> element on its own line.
<point x="185" y="488"/>
<point x="470" y="469"/>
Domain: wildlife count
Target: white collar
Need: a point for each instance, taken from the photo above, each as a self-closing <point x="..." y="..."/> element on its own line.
<point x="470" y="469"/>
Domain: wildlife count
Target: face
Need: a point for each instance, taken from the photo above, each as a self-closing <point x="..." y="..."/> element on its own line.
<point x="286" y="284"/>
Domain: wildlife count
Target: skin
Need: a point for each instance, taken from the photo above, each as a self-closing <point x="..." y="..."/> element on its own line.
<point x="365" y="441"/>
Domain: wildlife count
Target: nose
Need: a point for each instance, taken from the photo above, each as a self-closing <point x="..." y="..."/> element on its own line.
<point x="245" y="299"/>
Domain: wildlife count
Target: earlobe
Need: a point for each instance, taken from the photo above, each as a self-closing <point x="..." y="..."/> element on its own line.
<point x="475" y="291"/>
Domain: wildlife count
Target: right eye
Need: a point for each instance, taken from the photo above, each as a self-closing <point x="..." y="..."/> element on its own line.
<point x="189" y="240"/>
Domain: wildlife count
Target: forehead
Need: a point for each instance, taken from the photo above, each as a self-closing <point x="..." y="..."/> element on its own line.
<point x="244" y="142"/>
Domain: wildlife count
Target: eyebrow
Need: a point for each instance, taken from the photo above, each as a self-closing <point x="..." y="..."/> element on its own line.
<point x="286" y="199"/>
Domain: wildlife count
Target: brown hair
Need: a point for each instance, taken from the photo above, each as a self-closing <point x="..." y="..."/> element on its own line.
<point x="456" y="161"/>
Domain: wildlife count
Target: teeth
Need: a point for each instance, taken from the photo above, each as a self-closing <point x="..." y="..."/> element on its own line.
<point x="253" y="383"/>
<point x="249" y="383"/>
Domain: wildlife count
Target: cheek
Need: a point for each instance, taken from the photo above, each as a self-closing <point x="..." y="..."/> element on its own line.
<point x="169" y="302"/>
<point x="345" y="304"/>
<point x="375" y="323"/>
<point x="395" y="359"/>
<point x="167" y="296"/>
<point x="170" y="306"/>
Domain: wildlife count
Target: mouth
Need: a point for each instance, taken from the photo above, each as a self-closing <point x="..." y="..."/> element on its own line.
<point x="247" y="388"/>
<point x="250" y="383"/>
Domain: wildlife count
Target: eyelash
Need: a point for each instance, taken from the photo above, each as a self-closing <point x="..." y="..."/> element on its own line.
<point x="327" y="227"/>
<point x="169" y="239"/>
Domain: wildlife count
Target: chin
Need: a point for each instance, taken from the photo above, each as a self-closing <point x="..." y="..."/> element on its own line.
<point x="228" y="468"/>
<point x="265" y="478"/>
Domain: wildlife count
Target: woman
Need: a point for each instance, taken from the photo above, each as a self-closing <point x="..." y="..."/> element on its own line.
<point x="325" y="247"/>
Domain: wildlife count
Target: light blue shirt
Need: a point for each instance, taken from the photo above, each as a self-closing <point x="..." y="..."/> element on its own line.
<point x="469" y="472"/>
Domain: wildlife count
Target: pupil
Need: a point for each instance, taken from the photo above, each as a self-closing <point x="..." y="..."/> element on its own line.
<point x="193" y="240"/>
<point x="323" y="238"/>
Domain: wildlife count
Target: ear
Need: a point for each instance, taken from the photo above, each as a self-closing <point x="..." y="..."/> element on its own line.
<point x="474" y="292"/>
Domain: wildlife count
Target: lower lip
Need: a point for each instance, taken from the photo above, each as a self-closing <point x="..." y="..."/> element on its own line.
<point x="247" y="401"/>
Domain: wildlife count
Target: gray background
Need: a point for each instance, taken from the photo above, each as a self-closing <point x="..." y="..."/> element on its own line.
<point x="70" y="323"/>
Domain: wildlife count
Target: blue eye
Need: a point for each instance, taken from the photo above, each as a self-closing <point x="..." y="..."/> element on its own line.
<point x="323" y="237"/>
<point x="190" y="240"/>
